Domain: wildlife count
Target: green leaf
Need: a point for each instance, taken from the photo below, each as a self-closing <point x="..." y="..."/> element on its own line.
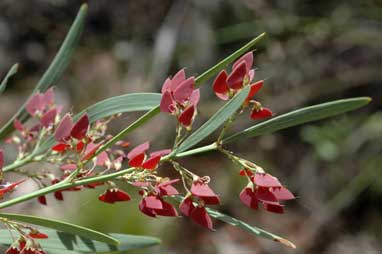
<point x="250" y="229"/>
<point x="56" y="68"/>
<point x="65" y="243"/>
<point x="114" y="105"/>
<point x="62" y="226"/>
<point x="301" y="116"/>
<point x="10" y="73"/>
<point x="215" y="121"/>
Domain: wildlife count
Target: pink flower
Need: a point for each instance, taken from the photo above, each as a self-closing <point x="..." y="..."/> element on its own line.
<point x="137" y="157"/>
<point x="201" y="190"/>
<point x="114" y="195"/>
<point x="179" y="97"/>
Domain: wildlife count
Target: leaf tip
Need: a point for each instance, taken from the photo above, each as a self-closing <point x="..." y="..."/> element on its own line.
<point x="285" y="242"/>
<point x="84" y="7"/>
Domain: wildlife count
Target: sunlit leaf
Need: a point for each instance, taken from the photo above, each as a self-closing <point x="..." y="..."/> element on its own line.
<point x="65" y="243"/>
<point x="56" y="68"/>
<point x="215" y="121"/>
<point x="9" y="74"/>
<point x="301" y="116"/>
<point x="62" y="226"/>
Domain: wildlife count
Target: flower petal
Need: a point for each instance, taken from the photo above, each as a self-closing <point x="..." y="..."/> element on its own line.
<point x="220" y="85"/>
<point x="166" y="86"/>
<point x="203" y="191"/>
<point x="11" y="186"/>
<point x="266" y="180"/>
<point x="195" y="97"/>
<point x="282" y="193"/>
<point x="247" y="59"/>
<point x="186" y="117"/>
<point x="255" y="87"/>
<point x="48" y="118"/>
<point x="186" y="206"/>
<point x="35" y="104"/>
<point x="184" y="90"/>
<point x="247" y="196"/>
<point x="261" y="114"/>
<point x="18" y="125"/>
<point x="142" y="148"/>
<point x="167" y="210"/>
<point x="42" y="200"/>
<point x="153" y="202"/>
<point x="167" y="103"/>
<point x="264" y="195"/>
<point x="274" y="208"/>
<point x="179" y="77"/>
<point x="163" y="152"/>
<point x="236" y="78"/>
<point x="200" y="216"/>
<point x="63" y="130"/>
<point x="142" y="207"/>
<point x="81" y="127"/>
<point x="60" y="147"/>
<point x="152" y="162"/>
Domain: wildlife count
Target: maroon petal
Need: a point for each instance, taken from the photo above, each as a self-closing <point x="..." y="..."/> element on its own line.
<point x="166" y="188"/>
<point x="247" y="196"/>
<point x="274" y="208"/>
<point x="282" y="193"/>
<point x="48" y="118"/>
<point x="187" y="206"/>
<point x="167" y="210"/>
<point x="186" y="117"/>
<point x="63" y="130"/>
<point x="167" y="103"/>
<point x="60" y="147"/>
<point x="264" y="195"/>
<point x="236" y="78"/>
<point x="184" y="90"/>
<point x="266" y="180"/>
<point x="152" y="162"/>
<point x="38" y="235"/>
<point x="137" y="161"/>
<point x="261" y="114"/>
<point x="179" y="77"/>
<point x="80" y="128"/>
<point x="42" y="200"/>
<point x="255" y="87"/>
<point x="163" y="152"/>
<point x="200" y="216"/>
<point x="142" y="148"/>
<point x="58" y="195"/>
<point x="114" y="195"/>
<point x="247" y="59"/>
<point x="220" y="85"/>
<point x="204" y="192"/>
<point x="142" y="207"/>
<point x="153" y="202"/>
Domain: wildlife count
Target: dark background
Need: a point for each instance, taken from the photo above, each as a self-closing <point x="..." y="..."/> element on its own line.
<point x="314" y="51"/>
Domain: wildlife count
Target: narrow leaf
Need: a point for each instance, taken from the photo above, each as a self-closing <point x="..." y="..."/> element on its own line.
<point x="251" y="229"/>
<point x="301" y="116"/>
<point x="65" y="243"/>
<point x="215" y="121"/>
<point x="56" y="68"/>
<point x="62" y="226"/>
<point x="10" y="73"/>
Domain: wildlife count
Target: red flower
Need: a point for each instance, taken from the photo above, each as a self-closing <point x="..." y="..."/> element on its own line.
<point x="137" y="157"/>
<point x="12" y="250"/>
<point x="261" y="113"/>
<point x="201" y="190"/>
<point x="80" y="128"/>
<point x="154" y="205"/>
<point x="267" y="190"/>
<point x="180" y="97"/>
<point x="114" y="195"/>
<point x="166" y="188"/>
<point x="48" y="118"/>
<point x="197" y="214"/>
<point x="42" y="200"/>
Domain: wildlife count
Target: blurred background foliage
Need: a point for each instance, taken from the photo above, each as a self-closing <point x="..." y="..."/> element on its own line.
<point x="315" y="51"/>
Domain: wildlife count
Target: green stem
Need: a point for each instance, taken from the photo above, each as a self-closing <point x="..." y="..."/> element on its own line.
<point x="203" y="149"/>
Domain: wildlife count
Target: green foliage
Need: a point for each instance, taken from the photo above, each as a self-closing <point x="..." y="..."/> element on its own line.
<point x="10" y="73"/>
<point x="65" y="243"/>
<point x="62" y="226"/>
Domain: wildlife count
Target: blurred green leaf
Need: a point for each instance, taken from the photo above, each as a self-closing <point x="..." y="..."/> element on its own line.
<point x="215" y="121"/>
<point x="300" y="116"/>
<point x="62" y="226"/>
<point x="65" y="243"/>
<point x="56" y="68"/>
<point x="9" y="74"/>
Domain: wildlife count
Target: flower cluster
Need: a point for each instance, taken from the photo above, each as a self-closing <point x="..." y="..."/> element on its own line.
<point x="265" y="189"/>
<point x="180" y="98"/>
<point x="27" y="243"/>
<point x="227" y="85"/>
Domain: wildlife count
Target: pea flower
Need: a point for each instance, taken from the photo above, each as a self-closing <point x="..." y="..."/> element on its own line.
<point x="114" y="195"/>
<point x="180" y="98"/>
<point x="138" y="158"/>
